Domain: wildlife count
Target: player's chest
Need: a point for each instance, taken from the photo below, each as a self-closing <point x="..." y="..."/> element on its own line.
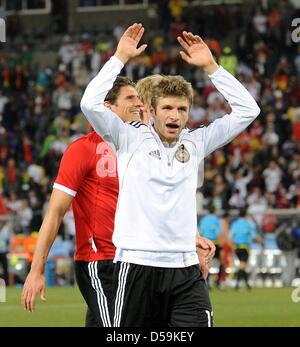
<point x="155" y="160"/>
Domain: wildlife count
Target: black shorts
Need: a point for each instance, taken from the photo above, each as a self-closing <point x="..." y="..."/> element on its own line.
<point x="242" y="254"/>
<point x="146" y="296"/>
<point x="94" y="280"/>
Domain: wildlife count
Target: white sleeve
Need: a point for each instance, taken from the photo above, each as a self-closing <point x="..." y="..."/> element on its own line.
<point x="225" y="129"/>
<point x="105" y="122"/>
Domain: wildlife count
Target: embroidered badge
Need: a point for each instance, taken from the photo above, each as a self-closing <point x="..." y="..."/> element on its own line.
<point x="182" y="154"/>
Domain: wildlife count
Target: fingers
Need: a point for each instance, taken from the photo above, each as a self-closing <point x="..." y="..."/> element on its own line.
<point x="183" y="44"/>
<point x="28" y="300"/>
<point x="198" y="39"/>
<point x="212" y="251"/>
<point x="185" y="57"/>
<point x="32" y="303"/>
<point x="208" y="260"/>
<point x="134" y="31"/>
<point x="129" y="30"/>
<point x="139" y="33"/>
<point x="204" y="269"/>
<point x="43" y="294"/>
<point x="189" y="37"/>
<point x="23" y="298"/>
<point x="211" y="248"/>
<point x="141" y="49"/>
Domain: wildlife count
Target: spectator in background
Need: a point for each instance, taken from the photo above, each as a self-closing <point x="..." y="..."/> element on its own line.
<point x="197" y="112"/>
<point x="272" y="176"/>
<point x="13" y="203"/>
<point x="237" y="200"/>
<point x="229" y="60"/>
<point x="257" y="207"/>
<point x="253" y="86"/>
<point x="24" y="216"/>
<point x="3" y="101"/>
<point x="240" y="180"/>
<point x="259" y="21"/>
<point x="220" y="193"/>
<point x="270" y="137"/>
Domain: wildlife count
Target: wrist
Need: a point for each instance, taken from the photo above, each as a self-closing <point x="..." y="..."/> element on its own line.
<point x="37" y="268"/>
<point x="211" y="68"/>
<point x="124" y="59"/>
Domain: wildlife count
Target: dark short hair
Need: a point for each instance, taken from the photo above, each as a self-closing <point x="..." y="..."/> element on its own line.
<point x="121" y="81"/>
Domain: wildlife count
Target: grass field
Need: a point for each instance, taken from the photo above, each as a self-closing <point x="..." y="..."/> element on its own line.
<point x="66" y="308"/>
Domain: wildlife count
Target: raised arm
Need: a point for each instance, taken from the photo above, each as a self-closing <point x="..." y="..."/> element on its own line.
<point x="244" y="107"/>
<point x="106" y="123"/>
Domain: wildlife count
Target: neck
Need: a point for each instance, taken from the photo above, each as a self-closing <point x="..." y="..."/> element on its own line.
<point x="169" y="144"/>
<point x="166" y="142"/>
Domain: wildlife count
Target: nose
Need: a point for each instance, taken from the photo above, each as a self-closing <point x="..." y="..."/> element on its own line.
<point x="174" y="116"/>
<point x="138" y="102"/>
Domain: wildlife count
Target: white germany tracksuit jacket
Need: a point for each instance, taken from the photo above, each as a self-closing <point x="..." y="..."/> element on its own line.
<point x="156" y="219"/>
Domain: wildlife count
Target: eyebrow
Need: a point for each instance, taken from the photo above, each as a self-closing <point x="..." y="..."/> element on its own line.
<point x="179" y="107"/>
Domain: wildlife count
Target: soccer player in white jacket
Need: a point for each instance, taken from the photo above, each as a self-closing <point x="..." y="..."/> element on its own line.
<point x="157" y="280"/>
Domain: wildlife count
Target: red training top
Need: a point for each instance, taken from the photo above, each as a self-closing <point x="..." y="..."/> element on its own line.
<point x="88" y="171"/>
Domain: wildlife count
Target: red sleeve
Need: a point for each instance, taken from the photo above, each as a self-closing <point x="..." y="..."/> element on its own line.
<point x="73" y="167"/>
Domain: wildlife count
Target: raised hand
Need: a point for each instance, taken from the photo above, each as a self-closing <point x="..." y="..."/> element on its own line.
<point x="127" y="47"/>
<point x="196" y="52"/>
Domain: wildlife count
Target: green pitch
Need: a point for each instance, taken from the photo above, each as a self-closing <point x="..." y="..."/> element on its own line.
<point x="65" y="307"/>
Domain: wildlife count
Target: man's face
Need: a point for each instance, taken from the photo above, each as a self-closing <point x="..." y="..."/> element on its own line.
<point x="128" y="105"/>
<point x="170" y="117"/>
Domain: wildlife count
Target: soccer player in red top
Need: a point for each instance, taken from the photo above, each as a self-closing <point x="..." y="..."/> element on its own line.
<point x="88" y="180"/>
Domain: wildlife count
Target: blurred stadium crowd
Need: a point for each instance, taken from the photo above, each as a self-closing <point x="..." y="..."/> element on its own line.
<point x="40" y="115"/>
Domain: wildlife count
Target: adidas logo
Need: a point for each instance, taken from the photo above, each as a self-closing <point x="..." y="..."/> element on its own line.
<point x="155" y="154"/>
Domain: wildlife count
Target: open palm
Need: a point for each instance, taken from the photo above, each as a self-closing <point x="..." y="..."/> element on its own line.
<point x="127" y="46"/>
<point x="196" y="51"/>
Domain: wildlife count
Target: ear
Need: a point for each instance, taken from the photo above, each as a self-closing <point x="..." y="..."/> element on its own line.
<point x="153" y="111"/>
<point x="107" y="104"/>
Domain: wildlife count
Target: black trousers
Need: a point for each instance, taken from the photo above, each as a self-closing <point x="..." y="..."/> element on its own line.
<point x="146" y="296"/>
<point x="94" y="280"/>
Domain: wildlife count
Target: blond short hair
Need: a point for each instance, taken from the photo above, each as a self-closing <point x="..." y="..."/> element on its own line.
<point x="172" y="86"/>
<point x="145" y="87"/>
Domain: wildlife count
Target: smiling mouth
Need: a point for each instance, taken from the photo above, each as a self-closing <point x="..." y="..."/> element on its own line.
<point x="136" y="112"/>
